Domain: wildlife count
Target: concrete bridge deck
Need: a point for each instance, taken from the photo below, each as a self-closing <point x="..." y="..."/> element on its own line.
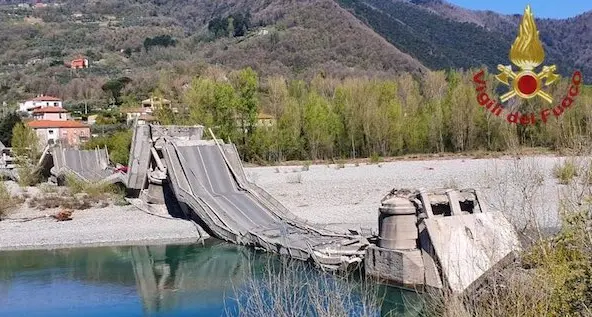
<point x="204" y="179"/>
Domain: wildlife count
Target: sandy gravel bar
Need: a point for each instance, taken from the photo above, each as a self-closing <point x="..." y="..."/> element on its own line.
<point x="336" y="196"/>
<point x="124" y="225"/>
<point x="350" y="196"/>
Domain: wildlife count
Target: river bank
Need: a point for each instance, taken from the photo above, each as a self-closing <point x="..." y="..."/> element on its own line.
<point x="336" y="195"/>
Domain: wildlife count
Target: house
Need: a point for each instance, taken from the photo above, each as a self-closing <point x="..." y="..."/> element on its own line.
<point x="51" y="113"/>
<point x="145" y="114"/>
<point x="92" y="119"/>
<point x="54" y="125"/>
<point x="79" y="63"/>
<point x="265" y="120"/>
<point x="156" y="102"/>
<point x="40" y="102"/>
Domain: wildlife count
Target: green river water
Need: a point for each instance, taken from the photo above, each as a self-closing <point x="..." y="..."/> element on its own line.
<point x="211" y="279"/>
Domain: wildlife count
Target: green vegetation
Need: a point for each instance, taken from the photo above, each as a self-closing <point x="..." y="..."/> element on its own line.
<point x="554" y="278"/>
<point x="8" y="202"/>
<point x="7" y="124"/>
<point x="565" y="172"/>
<point x="163" y="44"/>
<point x="448" y="44"/>
<point x="161" y="40"/>
<point x="553" y="275"/>
<point x="118" y="144"/>
<point x="329" y="118"/>
<point x="233" y="25"/>
<point x="24" y="143"/>
<point x="94" y="190"/>
<point x="25" y="146"/>
<point x="114" y="87"/>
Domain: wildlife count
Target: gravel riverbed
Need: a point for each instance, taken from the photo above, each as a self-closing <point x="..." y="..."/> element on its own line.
<point x="344" y="196"/>
<point x="349" y="195"/>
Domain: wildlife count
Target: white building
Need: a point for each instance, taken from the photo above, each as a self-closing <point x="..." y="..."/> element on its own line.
<point x="40" y="102"/>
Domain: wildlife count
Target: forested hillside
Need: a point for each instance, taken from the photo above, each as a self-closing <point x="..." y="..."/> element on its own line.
<point x="342" y="78"/>
<point x="441" y="35"/>
<point x="568" y="42"/>
<point x="438" y="42"/>
<point x="144" y="39"/>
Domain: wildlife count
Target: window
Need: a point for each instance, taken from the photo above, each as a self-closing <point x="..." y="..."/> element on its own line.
<point x="50" y="131"/>
<point x="55" y="104"/>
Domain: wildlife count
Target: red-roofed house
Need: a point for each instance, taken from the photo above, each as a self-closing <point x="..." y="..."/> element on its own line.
<point x="40" y="102"/>
<point x="79" y="63"/>
<point x="51" y="113"/>
<point x="53" y="124"/>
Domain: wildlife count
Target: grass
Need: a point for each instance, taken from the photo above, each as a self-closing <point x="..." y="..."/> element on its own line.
<point x="77" y="186"/>
<point x="565" y="172"/>
<point x="79" y="195"/>
<point x="375" y="158"/>
<point x="553" y="275"/>
<point x="83" y="195"/>
<point x="55" y="200"/>
<point x="293" y="288"/>
<point x="8" y="202"/>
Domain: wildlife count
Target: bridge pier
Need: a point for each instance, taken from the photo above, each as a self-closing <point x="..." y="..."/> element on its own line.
<point x="439" y="240"/>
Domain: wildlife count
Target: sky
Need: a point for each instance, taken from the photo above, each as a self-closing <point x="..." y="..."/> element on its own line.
<point x="541" y="8"/>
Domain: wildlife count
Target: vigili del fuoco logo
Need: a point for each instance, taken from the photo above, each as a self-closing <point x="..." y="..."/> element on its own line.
<point x="527" y="54"/>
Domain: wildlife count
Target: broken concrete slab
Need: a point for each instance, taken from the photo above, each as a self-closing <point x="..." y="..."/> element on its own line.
<point x="450" y="239"/>
<point x="468" y="246"/>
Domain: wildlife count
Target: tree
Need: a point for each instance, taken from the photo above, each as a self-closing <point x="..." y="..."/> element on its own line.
<point x="321" y="126"/>
<point x="115" y="86"/>
<point x="118" y="144"/>
<point x="6" y="125"/>
<point x="246" y="85"/>
<point x="24" y="142"/>
<point x="213" y="104"/>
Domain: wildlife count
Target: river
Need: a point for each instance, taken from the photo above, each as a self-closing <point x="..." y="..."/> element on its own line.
<point x="210" y="279"/>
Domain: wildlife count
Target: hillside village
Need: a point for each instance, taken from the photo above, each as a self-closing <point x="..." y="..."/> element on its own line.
<point x="54" y="125"/>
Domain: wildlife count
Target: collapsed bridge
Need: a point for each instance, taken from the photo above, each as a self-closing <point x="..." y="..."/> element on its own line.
<point x="205" y="179"/>
<point x="438" y="239"/>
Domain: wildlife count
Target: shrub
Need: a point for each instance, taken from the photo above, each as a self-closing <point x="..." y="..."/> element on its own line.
<point x="291" y="288"/>
<point x="24" y="143"/>
<point x="93" y="193"/>
<point x="28" y="175"/>
<point x="8" y="202"/>
<point x="306" y="166"/>
<point x="566" y="172"/>
<point x="375" y="158"/>
<point x="295" y="178"/>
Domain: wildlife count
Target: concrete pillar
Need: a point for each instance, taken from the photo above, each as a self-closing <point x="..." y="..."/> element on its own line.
<point x="397" y="224"/>
<point x="453" y="201"/>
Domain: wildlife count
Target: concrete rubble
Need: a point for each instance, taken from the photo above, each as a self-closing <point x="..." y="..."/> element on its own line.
<point x="439" y="239"/>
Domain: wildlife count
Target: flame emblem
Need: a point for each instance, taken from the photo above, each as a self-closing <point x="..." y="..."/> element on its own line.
<point x="527" y="53"/>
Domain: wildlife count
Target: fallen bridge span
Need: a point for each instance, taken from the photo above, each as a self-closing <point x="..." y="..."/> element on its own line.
<point x="207" y="180"/>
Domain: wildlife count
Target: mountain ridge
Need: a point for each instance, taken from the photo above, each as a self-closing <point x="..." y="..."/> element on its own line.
<point x="283" y="37"/>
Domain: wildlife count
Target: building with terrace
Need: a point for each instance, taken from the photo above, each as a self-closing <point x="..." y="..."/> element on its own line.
<point x="40" y="102"/>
